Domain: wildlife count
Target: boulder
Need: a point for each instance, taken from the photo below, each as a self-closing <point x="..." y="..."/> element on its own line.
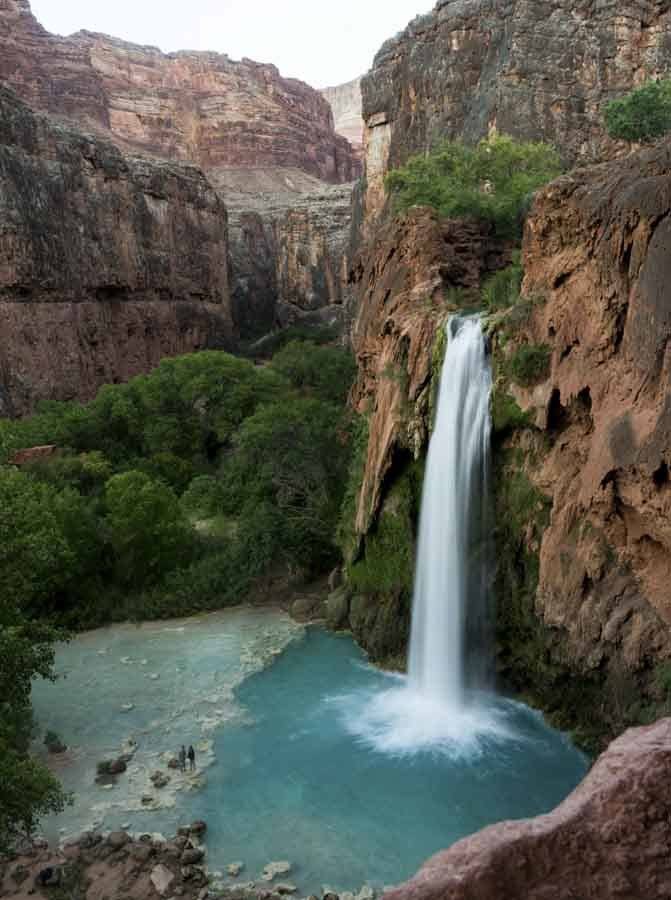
<point x="118" y="839"/>
<point x="609" y="839"/>
<point x="273" y="869"/>
<point x="191" y="856"/>
<point x="161" y="877"/>
<point x="159" y="779"/>
<point x="306" y="609"/>
<point x="285" y="888"/>
<point x="337" y="608"/>
<point x="198" y="828"/>
<point x="235" y="868"/>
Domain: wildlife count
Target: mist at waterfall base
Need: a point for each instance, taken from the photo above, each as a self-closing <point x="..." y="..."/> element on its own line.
<point x="444" y="704"/>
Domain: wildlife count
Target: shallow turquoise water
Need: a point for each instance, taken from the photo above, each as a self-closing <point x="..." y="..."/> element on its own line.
<point x="297" y="768"/>
<point x="297" y="785"/>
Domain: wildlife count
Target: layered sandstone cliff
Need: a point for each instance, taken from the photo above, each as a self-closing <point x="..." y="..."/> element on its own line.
<point x="609" y="839"/>
<point x="266" y="143"/>
<point x="534" y="70"/>
<point x="107" y="262"/>
<point x="203" y="108"/>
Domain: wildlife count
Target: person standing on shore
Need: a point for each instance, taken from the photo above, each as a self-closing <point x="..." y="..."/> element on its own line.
<point x="192" y="758"/>
<point x="182" y="759"/>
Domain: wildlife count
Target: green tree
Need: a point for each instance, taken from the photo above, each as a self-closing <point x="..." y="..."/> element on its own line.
<point x="327" y="372"/>
<point x="34" y="553"/>
<point x="493" y="181"/>
<point x="643" y="115"/>
<point x="146" y="527"/>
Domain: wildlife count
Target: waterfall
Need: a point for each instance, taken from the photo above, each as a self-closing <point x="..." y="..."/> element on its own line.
<point x="443" y="705"/>
<point x="450" y="614"/>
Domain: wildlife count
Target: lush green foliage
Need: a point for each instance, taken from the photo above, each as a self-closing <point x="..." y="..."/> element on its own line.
<point x="386" y="565"/>
<point x="643" y="115"/>
<point x="502" y="289"/>
<point x="493" y="181"/>
<point x="174" y="491"/>
<point x="530" y="363"/>
<point x="170" y="494"/>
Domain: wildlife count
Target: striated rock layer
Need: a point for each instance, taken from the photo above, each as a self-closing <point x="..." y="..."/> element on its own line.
<point x="289" y="248"/>
<point x="203" y="108"/>
<point x="107" y="262"/>
<point x="597" y="257"/>
<point x="535" y="70"/>
<point x="609" y="839"/>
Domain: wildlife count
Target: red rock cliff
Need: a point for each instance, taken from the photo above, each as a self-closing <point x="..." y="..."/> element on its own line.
<point x="597" y="256"/>
<point x="607" y="841"/>
<point x="535" y="70"/>
<point x="107" y="262"/>
<point x="203" y="108"/>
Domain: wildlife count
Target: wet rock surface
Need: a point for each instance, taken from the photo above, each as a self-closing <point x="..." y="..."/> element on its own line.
<point x="608" y="840"/>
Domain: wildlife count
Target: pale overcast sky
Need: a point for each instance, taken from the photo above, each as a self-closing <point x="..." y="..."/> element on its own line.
<point x="322" y="43"/>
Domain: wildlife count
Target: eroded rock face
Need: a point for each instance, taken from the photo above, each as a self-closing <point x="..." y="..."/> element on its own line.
<point x="403" y="282"/>
<point x="346" y="103"/>
<point x="597" y="254"/>
<point x="199" y="107"/>
<point x="289" y="243"/>
<point x="609" y="839"/>
<point x="535" y="70"/>
<point x="107" y="262"/>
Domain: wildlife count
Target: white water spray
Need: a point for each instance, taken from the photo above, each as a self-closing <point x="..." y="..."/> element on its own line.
<point x="451" y="599"/>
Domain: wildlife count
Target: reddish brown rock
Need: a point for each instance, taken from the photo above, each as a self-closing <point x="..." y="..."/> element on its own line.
<point x="597" y="253"/>
<point x="609" y="840"/>
<point x="202" y="108"/>
<point x="33" y="454"/>
<point x="402" y="283"/>
<point x="107" y="262"/>
<point x="535" y="70"/>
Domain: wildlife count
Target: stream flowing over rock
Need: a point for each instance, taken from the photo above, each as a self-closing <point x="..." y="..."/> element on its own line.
<point x="609" y="839"/>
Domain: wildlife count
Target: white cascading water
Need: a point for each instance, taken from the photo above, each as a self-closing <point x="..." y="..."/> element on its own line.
<point x="441" y="706"/>
<point x="451" y="597"/>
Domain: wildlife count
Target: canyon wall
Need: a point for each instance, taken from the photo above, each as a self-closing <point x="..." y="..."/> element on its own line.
<point x="591" y="431"/>
<point x="346" y="102"/>
<point x="289" y="248"/>
<point x="266" y="143"/>
<point x="107" y="262"/>
<point x="534" y="69"/>
<point x="203" y="108"/>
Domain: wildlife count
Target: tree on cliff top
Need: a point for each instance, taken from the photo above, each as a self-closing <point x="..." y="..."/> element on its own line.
<point x="643" y="115"/>
<point x="493" y="181"/>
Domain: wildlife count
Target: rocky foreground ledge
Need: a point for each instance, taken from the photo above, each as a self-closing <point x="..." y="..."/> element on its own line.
<point x="611" y="838"/>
